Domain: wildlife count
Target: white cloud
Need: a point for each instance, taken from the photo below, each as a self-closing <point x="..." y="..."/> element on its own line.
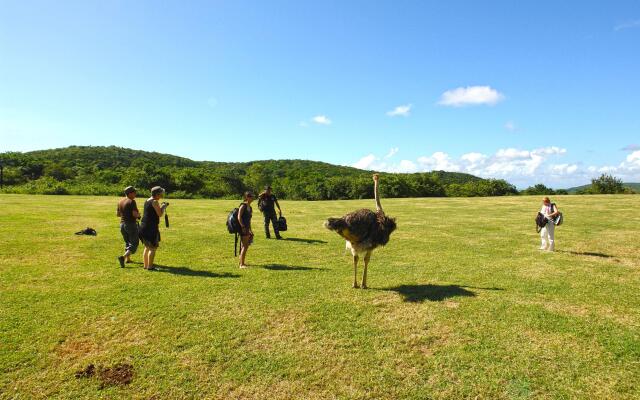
<point x="392" y="152"/>
<point x="518" y="166"/>
<point x="634" y="158"/>
<point x="627" y="25"/>
<point x="404" y="111"/>
<point x="470" y="95"/>
<point x="437" y="161"/>
<point x="321" y="120"/>
<point x="510" y="126"/>
<point x="366" y="162"/>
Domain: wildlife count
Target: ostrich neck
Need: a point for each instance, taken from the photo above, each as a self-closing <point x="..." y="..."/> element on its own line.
<point x="377" y="197"/>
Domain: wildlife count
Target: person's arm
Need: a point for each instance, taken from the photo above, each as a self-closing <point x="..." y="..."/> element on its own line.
<point x="278" y="205"/>
<point x="554" y="213"/>
<point x="118" y="213"/>
<point x="135" y="213"/>
<point x="159" y="209"/>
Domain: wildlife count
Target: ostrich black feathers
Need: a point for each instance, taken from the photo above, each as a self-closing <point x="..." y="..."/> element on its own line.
<point x="365" y="228"/>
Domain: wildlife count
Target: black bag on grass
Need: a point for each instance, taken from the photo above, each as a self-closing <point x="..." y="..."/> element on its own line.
<point x="282" y="224"/>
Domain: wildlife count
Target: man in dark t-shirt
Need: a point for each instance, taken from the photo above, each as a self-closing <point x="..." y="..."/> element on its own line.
<point x="267" y="202"/>
<point x="129" y="215"/>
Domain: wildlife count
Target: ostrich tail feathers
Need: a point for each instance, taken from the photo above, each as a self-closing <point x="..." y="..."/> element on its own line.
<point x="335" y="224"/>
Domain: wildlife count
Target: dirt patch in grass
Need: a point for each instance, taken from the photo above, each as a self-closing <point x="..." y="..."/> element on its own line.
<point x="118" y="375"/>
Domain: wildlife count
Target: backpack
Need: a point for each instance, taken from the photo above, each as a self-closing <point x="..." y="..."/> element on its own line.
<point x="87" y="231"/>
<point x="282" y="224"/>
<point x="233" y="226"/>
<point x="541" y="221"/>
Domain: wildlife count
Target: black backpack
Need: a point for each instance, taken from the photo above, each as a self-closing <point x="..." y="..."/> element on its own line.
<point x="282" y="224"/>
<point x="233" y="226"/>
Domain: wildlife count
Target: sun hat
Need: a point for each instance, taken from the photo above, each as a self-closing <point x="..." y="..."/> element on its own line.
<point x="129" y="189"/>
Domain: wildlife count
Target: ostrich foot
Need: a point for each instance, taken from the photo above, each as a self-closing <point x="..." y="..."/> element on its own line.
<point x="364" y="286"/>
<point x="355" y="285"/>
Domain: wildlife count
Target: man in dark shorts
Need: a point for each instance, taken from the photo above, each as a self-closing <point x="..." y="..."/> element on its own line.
<point x="129" y="215"/>
<point x="267" y="202"/>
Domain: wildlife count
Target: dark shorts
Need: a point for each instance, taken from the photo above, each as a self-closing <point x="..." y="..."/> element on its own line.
<point x="130" y="235"/>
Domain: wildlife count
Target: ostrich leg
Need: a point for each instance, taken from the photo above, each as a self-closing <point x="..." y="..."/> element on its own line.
<point x="367" y="257"/>
<point x="355" y="272"/>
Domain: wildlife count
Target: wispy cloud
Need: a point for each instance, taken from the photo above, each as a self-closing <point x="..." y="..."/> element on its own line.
<point x="403" y="111"/>
<point x="627" y="25"/>
<point x="321" y="120"/>
<point x="470" y="96"/>
<point x="392" y="152"/>
<point x="510" y="126"/>
<point x="303" y="124"/>
<point x="212" y="102"/>
<point x="631" y="147"/>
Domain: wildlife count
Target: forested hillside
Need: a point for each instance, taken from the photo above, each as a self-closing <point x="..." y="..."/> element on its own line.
<point x="89" y="170"/>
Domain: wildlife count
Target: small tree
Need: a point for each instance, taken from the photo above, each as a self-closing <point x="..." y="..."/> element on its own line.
<point x="606" y="184"/>
<point x="538" y="190"/>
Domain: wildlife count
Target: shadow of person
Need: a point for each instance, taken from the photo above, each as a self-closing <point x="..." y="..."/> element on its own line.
<point x="282" y="267"/>
<point x="586" y="253"/>
<point x="308" y="241"/>
<point x="185" y="271"/>
<point x="420" y="293"/>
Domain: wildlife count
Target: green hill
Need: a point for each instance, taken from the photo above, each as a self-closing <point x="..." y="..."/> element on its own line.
<point x="106" y="170"/>
<point x="634" y="186"/>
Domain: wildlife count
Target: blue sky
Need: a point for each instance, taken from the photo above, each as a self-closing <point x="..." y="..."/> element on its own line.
<point x="538" y="92"/>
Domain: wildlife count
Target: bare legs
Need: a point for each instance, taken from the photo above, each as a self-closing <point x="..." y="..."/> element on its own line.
<point x="244" y="246"/>
<point x="148" y="254"/>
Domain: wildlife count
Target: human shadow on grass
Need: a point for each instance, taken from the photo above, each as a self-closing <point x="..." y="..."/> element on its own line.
<point x="186" y="271"/>
<point x="421" y="293"/>
<point x="282" y="267"/>
<point x="307" y="241"/>
<point x="586" y="253"/>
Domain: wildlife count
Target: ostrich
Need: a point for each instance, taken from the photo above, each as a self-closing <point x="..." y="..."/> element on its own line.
<point x="364" y="230"/>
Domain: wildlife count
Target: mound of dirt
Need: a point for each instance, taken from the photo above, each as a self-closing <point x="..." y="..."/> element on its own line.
<point x="119" y="374"/>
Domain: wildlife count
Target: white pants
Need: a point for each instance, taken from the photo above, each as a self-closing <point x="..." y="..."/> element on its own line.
<point x="547" y="237"/>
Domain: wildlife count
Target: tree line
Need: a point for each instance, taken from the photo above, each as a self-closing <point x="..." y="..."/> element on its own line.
<point x="89" y="170"/>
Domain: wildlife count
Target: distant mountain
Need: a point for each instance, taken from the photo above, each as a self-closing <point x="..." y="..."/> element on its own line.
<point x="576" y="189"/>
<point x="106" y="170"/>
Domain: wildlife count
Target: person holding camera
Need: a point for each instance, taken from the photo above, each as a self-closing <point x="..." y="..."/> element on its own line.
<point x="550" y="211"/>
<point x="129" y="216"/>
<point x="150" y="225"/>
<point x="245" y="212"/>
<point x="267" y="202"/>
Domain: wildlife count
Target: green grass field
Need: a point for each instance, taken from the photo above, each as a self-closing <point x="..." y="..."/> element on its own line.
<point x="461" y="305"/>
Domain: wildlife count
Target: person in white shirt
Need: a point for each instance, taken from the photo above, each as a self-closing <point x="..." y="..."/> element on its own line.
<point x="550" y="211"/>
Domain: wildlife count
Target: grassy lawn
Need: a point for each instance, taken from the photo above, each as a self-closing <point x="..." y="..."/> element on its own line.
<point x="461" y="305"/>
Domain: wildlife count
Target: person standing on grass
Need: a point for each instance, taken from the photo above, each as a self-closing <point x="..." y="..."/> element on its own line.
<point x="129" y="216"/>
<point x="245" y="212"/>
<point x="267" y="203"/>
<point x="550" y="211"/>
<point x="149" y="227"/>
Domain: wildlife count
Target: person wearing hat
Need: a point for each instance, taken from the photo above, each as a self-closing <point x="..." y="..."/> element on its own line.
<point x="150" y="225"/>
<point x="267" y="202"/>
<point x="129" y="215"/>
